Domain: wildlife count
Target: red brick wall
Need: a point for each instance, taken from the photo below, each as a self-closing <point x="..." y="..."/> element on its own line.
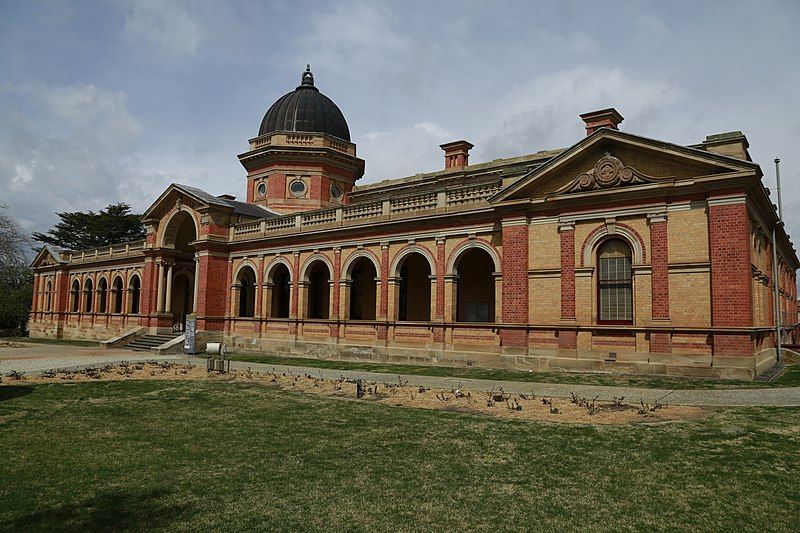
<point x="568" y="273"/>
<point x="211" y="302"/>
<point x="659" y="342"/>
<point x="383" y="331"/>
<point x="251" y="185"/>
<point x="515" y="283"/>
<point x="731" y="284"/>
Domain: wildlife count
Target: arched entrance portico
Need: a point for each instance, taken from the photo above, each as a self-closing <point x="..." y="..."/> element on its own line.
<point x="177" y="270"/>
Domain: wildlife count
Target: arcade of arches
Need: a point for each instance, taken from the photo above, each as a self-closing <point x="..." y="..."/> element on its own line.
<point x="618" y="253"/>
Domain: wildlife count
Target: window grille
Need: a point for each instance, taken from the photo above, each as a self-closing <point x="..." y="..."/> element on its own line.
<point x="615" y="282"/>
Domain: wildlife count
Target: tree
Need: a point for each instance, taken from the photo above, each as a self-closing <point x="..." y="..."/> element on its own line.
<point x="16" y="278"/>
<point x="78" y="230"/>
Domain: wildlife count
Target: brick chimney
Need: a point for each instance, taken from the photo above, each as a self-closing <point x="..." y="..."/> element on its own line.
<point x="605" y="118"/>
<point x="456" y="154"/>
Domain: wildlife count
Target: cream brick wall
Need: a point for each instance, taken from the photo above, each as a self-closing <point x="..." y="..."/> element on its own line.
<point x="690" y="299"/>
<point x="642" y="299"/>
<point x="544" y="300"/>
<point x="687" y="234"/>
<point x="544" y="246"/>
<point x="585" y="307"/>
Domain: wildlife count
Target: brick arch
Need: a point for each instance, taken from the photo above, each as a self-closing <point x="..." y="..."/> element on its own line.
<point x="242" y="265"/>
<point x="270" y="268"/>
<point x="172" y="224"/>
<point x="394" y="270"/>
<point x="312" y="259"/>
<point x="355" y="256"/>
<point x="623" y="231"/>
<point x="468" y="244"/>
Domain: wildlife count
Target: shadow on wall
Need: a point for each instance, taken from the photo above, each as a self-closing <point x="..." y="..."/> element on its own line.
<point x="107" y="511"/>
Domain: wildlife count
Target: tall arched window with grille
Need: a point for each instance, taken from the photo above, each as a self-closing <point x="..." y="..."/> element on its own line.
<point x="135" y="291"/>
<point x="75" y="295"/>
<point x="614" y="283"/>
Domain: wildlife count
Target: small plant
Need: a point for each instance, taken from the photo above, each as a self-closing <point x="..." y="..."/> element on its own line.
<point x="16" y="375"/>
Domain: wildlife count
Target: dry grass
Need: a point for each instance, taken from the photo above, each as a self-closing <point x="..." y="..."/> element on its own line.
<point x="494" y="403"/>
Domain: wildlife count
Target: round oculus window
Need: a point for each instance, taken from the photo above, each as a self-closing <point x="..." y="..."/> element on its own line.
<point x="262" y="189"/>
<point x="297" y="188"/>
<point x="336" y="192"/>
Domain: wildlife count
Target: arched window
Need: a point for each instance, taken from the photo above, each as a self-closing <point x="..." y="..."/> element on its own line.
<point x="475" y="297"/>
<point x="117" y="290"/>
<point x="75" y="295"/>
<point x="614" y="282"/>
<point x="414" y="298"/>
<point x="363" y="292"/>
<point x="318" y="291"/>
<point x="49" y="296"/>
<point x="135" y="289"/>
<point x="102" y="293"/>
<point x="246" y="282"/>
<point x="281" y="286"/>
<point x="88" y="290"/>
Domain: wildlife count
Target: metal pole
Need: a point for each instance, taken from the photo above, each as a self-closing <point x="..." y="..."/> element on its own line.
<point x="775" y="270"/>
<point x="778" y="186"/>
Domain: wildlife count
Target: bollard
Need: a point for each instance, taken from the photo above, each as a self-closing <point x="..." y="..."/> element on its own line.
<point x="360" y="388"/>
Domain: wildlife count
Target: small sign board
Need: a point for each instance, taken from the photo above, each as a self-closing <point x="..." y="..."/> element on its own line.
<point x="189" y="331"/>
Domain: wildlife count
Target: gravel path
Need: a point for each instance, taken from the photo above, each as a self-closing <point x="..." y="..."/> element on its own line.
<point x="35" y="358"/>
<point x="776" y="397"/>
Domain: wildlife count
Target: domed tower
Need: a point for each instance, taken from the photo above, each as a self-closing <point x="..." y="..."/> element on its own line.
<point x="302" y="158"/>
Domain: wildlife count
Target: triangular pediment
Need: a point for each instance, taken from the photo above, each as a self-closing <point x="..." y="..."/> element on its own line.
<point x="47" y="256"/>
<point x="177" y="196"/>
<point x="610" y="159"/>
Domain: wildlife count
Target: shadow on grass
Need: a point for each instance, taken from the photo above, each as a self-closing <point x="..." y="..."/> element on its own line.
<point x="13" y="391"/>
<point x="108" y="511"/>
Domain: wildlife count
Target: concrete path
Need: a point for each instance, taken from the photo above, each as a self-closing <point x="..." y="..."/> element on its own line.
<point x="777" y="397"/>
<point x="35" y="358"/>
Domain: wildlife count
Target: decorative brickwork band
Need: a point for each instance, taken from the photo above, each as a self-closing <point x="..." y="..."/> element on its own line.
<point x="731" y="285"/>
<point x="515" y="282"/>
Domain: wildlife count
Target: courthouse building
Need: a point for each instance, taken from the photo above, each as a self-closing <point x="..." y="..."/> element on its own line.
<point x="619" y="252"/>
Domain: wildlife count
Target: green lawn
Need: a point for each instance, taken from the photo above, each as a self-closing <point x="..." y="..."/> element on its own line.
<point x="789" y="378"/>
<point x="219" y="456"/>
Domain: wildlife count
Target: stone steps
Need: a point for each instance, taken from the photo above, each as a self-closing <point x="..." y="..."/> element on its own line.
<point x="146" y="343"/>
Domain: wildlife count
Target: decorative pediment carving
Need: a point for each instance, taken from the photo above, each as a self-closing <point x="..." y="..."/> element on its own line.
<point x="608" y="173"/>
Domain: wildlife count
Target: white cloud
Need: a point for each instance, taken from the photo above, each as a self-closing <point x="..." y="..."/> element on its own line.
<point x="169" y="26"/>
<point x="402" y="152"/>
<point x="542" y="112"/>
<point x="64" y="149"/>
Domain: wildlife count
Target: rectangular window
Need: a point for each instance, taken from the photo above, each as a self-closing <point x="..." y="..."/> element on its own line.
<point x="616" y="284"/>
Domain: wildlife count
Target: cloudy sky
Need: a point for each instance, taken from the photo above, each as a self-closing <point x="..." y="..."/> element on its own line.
<point x="108" y="101"/>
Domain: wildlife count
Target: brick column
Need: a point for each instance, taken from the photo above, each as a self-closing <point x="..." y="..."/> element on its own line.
<point x="293" y="311"/>
<point x="35" y="299"/>
<point x="567" y="339"/>
<point x="260" y="284"/>
<point x="228" y="288"/>
<point x="438" y="314"/>
<point x="659" y="260"/>
<point x="731" y="284"/>
<point x="383" y="331"/>
<point x="515" y="281"/>
<point x="337" y="292"/>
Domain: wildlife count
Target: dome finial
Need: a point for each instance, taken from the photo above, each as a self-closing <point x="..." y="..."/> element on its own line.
<point x="307" y="78"/>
